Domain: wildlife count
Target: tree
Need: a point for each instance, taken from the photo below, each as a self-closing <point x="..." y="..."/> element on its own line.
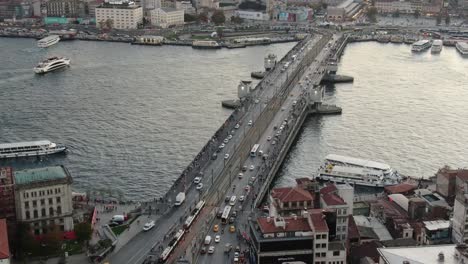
<point x="109" y="23"/>
<point x="237" y="20"/>
<point x="438" y="20"/>
<point x="83" y="232"/>
<point x="101" y="23"/>
<point x="190" y="18"/>
<point x="417" y="14"/>
<point x="218" y="17"/>
<point x="372" y="14"/>
<point x="447" y="20"/>
<point x="219" y="32"/>
<point x="203" y="17"/>
<point x="51" y="242"/>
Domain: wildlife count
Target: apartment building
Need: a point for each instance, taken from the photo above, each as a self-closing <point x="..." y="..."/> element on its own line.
<point x="43" y="198"/>
<point x="122" y="14"/>
<point x="166" y="17"/>
<point x="7" y="197"/>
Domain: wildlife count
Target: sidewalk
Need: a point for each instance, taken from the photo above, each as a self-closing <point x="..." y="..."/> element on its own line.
<point x="74" y="259"/>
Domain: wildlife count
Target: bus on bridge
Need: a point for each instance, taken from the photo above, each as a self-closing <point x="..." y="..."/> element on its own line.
<point x="225" y="216"/>
<point x="253" y="152"/>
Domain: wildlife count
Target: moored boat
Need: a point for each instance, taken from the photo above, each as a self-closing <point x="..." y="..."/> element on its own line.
<point x="342" y="169"/>
<point x="462" y="47"/>
<point x="29" y="149"/>
<point x="48" y="41"/>
<point x="437" y="46"/>
<point x="421" y="45"/>
<point x="205" y="44"/>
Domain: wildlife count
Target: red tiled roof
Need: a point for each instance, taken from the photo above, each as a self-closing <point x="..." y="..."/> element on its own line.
<point x="4" y="246"/>
<point x="462" y="174"/>
<point x="332" y="199"/>
<point x="292" y="225"/>
<point x="400" y="188"/>
<point x="328" y="189"/>
<point x="289" y="194"/>
<point x="304" y="180"/>
<point x="318" y="220"/>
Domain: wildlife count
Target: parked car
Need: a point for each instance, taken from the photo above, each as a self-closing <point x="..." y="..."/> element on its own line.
<point x="211" y="250"/>
<point x="197" y="180"/>
<point x="200" y="186"/>
<point x="148" y="225"/>
<point x="217" y="238"/>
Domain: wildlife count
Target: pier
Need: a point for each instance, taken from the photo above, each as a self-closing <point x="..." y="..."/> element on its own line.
<point x="270" y="115"/>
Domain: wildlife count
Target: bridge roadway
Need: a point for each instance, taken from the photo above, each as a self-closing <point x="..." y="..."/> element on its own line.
<point x="296" y="101"/>
<point x="138" y="248"/>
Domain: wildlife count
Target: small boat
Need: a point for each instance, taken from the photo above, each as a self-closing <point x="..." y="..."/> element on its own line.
<point x="462" y="47"/>
<point x="51" y="64"/>
<point x="48" y="41"/>
<point x="257" y="74"/>
<point x="29" y="149"/>
<point x="421" y="45"/>
<point x="437" y="46"/>
<point x="205" y="44"/>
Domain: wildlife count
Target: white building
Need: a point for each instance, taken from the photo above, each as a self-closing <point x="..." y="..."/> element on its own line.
<point x="252" y="15"/>
<point x="346" y="9"/>
<point x="186" y="6"/>
<point x="124" y="14"/>
<point x="165" y="17"/>
<point x="43" y="198"/>
<point x="390" y="6"/>
<point x="446" y="254"/>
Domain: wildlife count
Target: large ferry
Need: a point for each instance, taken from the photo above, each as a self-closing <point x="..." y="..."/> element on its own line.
<point x="205" y="44"/>
<point x="29" y="149"/>
<point x="421" y="45"/>
<point x="462" y="47"/>
<point x="343" y="169"/>
<point x="437" y="46"/>
<point x="51" y="64"/>
<point x="48" y="41"/>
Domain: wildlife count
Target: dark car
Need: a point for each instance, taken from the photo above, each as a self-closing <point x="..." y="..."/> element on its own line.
<point x="112" y="224"/>
<point x="220" y="213"/>
<point x="244" y="168"/>
<point x="234" y="214"/>
<point x="231" y="220"/>
<point x="203" y="250"/>
<point x="226" y="200"/>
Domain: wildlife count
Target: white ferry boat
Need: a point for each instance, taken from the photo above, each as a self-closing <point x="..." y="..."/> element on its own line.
<point x="355" y="171"/>
<point x="51" y="64"/>
<point x="48" y="41"/>
<point x="29" y="149"/>
<point x="205" y="44"/>
<point x="437" y="46"/>
<point x="421" y="45"/>
<point x="462" y="47"/>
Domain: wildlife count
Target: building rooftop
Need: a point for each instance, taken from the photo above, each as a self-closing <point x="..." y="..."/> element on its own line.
<point x="371" y="222"/>
<point x="436" y="225"/>
<point x="267" y="225"/>
<point x="332" y="199"/>
<point x="40" y="175"/>
<point x="318" y="220"/>
<point x="400" y="188"/>
<point x="4" y="246"/>
<point x="419" y="254"/>
<point x="291" y="194"/>
<point x="328" y="189"/>
<point x="399" y="199"/>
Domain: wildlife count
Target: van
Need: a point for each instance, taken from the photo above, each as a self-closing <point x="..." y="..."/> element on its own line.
<point x="207" y="240"/>
<point x="232" y="202"/>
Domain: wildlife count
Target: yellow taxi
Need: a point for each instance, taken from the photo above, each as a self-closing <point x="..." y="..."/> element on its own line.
<point x="232" y="229"/>
<point x="215" y="228"/>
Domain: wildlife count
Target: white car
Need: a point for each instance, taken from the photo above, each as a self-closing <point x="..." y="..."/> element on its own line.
<point x="148" y="225"/>
<point x="226" y="141"/>
<point x="211" y="250"/>
<point x="256" y="101"/>
<point x="250" y="122"/>
<point x="200" y="186"/>
<point x="252" y="167"/>
<point x="241" y="198"/>
<point x="241" y="175"/>
<point x="197" y="180"/>
<point x="237" y="126"/>
<point x="229" y="137"/>
<point x="222" y="146"/>
<point x="273" y="142"/>
<point x="226" y="156"/>
<point x="268" y="138"/>
<point x="217" y="238"/>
